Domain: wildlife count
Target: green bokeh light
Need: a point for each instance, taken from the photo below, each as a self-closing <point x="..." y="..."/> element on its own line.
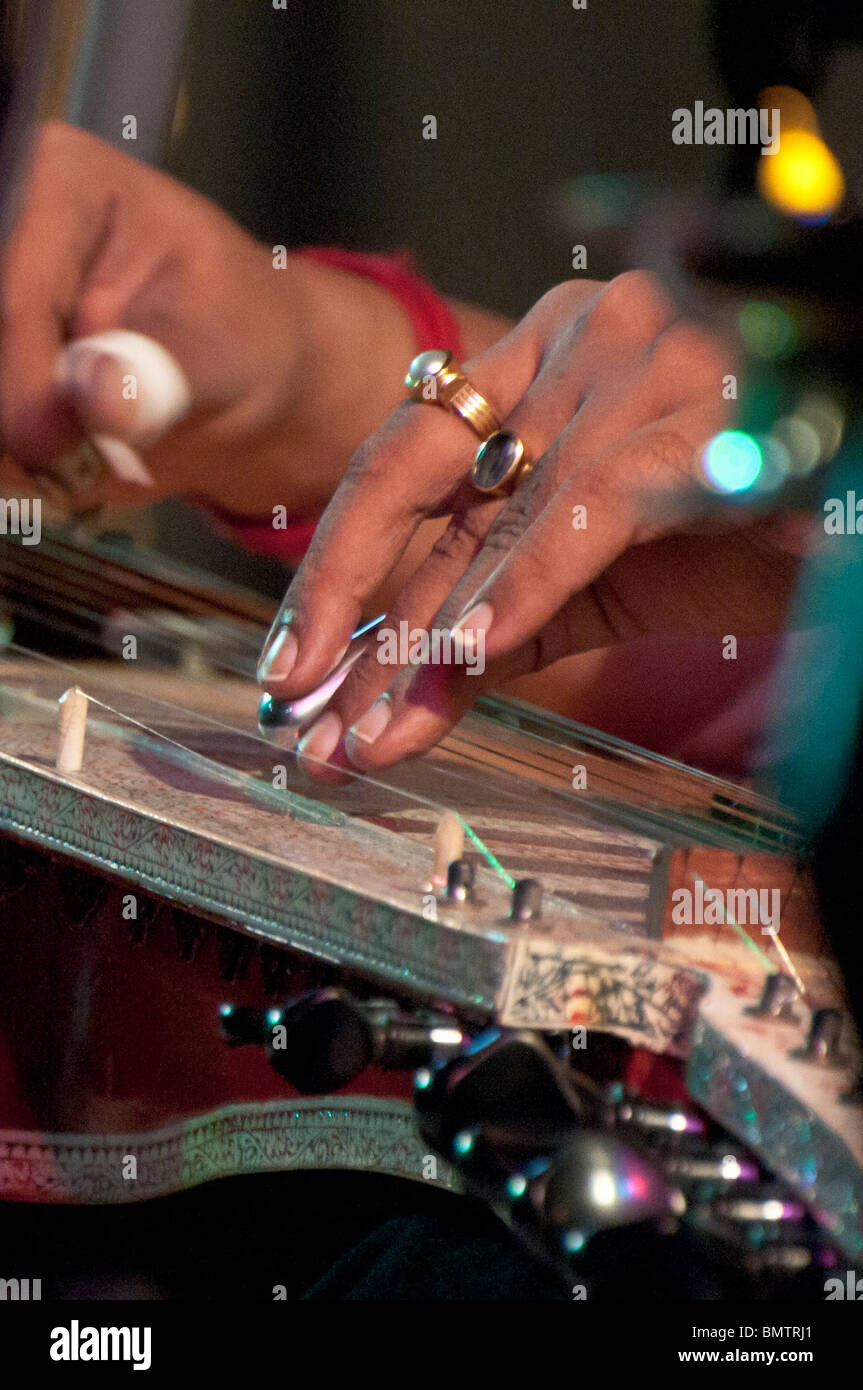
<point x="767" y="330"/>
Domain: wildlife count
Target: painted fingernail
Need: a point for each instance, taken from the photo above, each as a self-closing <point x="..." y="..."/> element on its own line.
<point x="125" y="462"/>
<point x="320" y="740"/>
<point x="475" y="620"/>
<point x="162" y="391"/>
<point x="370" y="725"/>
<point x="279" y="656"/>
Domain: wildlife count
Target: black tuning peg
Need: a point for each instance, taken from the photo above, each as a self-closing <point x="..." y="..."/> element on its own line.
<point x="322" y="1040"/>
<point x="597" y="1182"/>
<point x="526" y="901"/>
<point x="507" y="1089"/>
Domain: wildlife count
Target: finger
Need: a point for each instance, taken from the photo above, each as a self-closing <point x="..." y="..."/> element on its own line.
<point x="422" y="706"/>
<point x="560" y="398"/>
<point x="542" y="412"/>
<point x="410" y="469"/>
<point x="462" y="559"/>
<point x="588" y="522"/>
<point x="419" y="706"/>
<point x="405" y="720"/>
<point x="39" y="290"/>
<point x="125" y="385"/>
<point x="638" y="593"/>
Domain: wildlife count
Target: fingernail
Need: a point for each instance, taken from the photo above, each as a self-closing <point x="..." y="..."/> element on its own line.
<point x="279" y="655"/>
<point x="124" y="461"/>
<point x="320" y="740"/>
<point x="476" y="619"/>
<point x="370" y="725"/>
<point x="163" y="394"/>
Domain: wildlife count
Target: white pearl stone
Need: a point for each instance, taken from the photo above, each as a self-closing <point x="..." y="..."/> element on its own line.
<point x="426" y="364"/>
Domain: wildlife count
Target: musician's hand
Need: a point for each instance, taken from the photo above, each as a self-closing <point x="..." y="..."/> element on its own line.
<point x="615" y="398"/>
<point x="290" y="363"/>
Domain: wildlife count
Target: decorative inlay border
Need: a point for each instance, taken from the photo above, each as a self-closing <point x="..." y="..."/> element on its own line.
<point x="305" y="912"/>
<point x="330" y="1132"/>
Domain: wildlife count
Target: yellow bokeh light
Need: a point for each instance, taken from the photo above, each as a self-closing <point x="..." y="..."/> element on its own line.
<point x="803" y="178"/>
<point x="795" y="110"/>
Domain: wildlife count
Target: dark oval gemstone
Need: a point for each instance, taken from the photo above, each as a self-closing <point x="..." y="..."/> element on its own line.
<point x="496" y="459"/>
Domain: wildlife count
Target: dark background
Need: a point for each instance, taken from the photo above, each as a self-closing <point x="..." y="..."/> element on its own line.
<point x="306" y="124"/>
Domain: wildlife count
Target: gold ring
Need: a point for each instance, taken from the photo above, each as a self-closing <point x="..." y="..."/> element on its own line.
<point x="501" y="463"/>
<point x="436" y="377"/>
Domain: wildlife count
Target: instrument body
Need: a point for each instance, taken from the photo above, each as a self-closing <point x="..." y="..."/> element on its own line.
<point x="179" y="803"/>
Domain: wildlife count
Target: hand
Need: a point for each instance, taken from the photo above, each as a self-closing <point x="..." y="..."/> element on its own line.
<point x="615" y="397"/>
<point x="105" y="242"/>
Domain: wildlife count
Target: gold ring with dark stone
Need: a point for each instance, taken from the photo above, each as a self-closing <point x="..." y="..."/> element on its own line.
<point x="501" y="463"/>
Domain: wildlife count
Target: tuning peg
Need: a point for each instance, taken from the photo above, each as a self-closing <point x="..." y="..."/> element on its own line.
<point x="459" y="881"/>
<point x="508" y="1085"/>
<point x="598" y="1182"/>
<point x="657" y="1119"/>
<point x="526" y="901"/>
<point x="320" y="1041"/>
<point x="72" y="730"/>
<point x="765" y="1203"/>
<point x="326" y="1038"/>
<point x="448" y="847"/>
<point x="777" y="998"/>
<point x="712" y="1165"/>
<point x="823" y="1044"/>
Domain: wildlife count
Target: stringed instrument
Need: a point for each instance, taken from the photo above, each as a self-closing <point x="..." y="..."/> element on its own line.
<point x="187" y="869"/>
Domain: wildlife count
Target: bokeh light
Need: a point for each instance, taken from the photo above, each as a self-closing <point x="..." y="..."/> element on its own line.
<point x="800" y="440"/>
<point x="731" y="462"/>
<point x="767" y="330"/>
<point x="826" y="417"/>
<point x="796" y="111"/>
<point x="803" y="178"/>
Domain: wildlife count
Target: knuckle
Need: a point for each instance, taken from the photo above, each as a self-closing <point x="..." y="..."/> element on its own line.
<point x="665" y="452"/>
<point x="373" y="461"/>
<point x="511" y="523"/>
<point x="633" y="303"/>
<point x="461" y="541"/>
<point x="691" y="352"/>
<point x="385" y="463"/>
<point x="558" y="297"/>
<point x="562" y="302"/>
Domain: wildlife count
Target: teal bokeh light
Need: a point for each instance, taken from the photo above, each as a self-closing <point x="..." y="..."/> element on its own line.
<point x="732" y="461"/>
<point x="463" y="1143"/>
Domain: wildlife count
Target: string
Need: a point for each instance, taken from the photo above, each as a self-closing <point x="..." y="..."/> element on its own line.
<point x="486" y="852"/>
<point x="483" y="849"/>
<point x="784" y="954"/>
<point x="730" y="922"/>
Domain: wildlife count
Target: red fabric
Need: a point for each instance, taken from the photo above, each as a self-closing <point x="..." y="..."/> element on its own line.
<point x="434" y="325"/>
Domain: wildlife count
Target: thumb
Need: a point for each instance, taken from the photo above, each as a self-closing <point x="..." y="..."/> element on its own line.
<point x="126" y="389"/>
<point x="124" y="383"/>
